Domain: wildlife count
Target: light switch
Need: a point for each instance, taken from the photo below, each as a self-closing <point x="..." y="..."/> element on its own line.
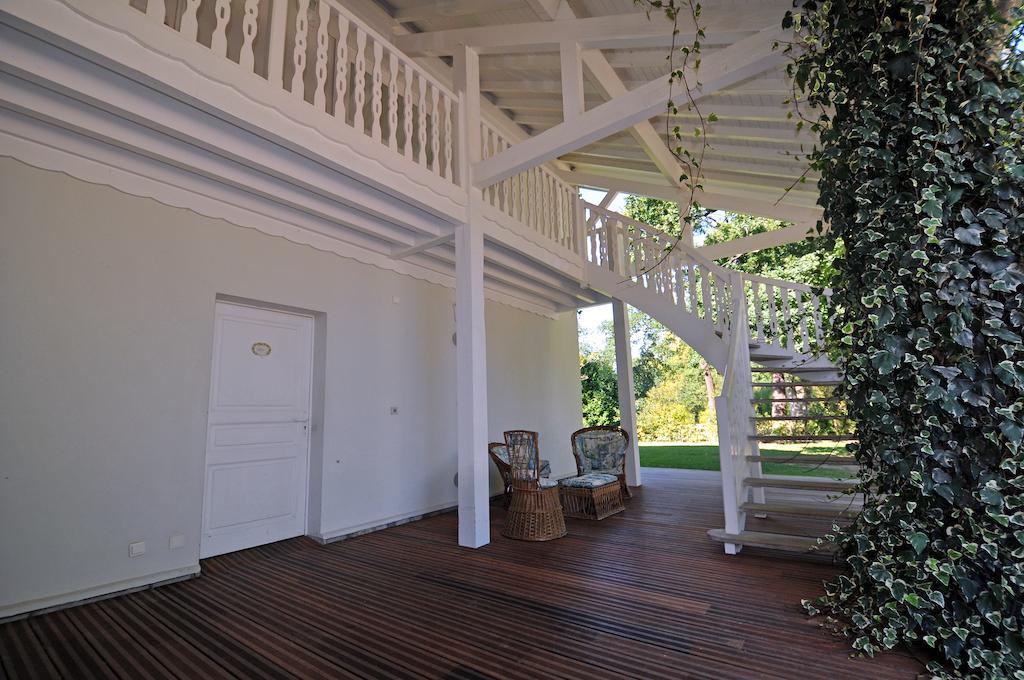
<point x="136" y="549"/>
<point x="176" y="541"/>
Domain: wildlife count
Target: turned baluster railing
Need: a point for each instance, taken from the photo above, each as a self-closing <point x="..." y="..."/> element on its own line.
<point x="785" y="314"/>
<point x="536" y="198"/>
<point x="659" y="262"/>
<point x="322" y="55"/>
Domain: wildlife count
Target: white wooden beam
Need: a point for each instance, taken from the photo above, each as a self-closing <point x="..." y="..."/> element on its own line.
<point x="573" y="103"/>
<point x="756" y="242"/>
<point x="746" y="58"/>
<point x="643" y="133"/>
<point x="721" y="25"/>
<point x="801" y="215"/>
<point x="471" y="341"/>
<point x="627" y="393"/>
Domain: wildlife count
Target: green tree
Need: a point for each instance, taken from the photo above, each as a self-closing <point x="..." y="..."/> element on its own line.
<point x="600" y="391"/>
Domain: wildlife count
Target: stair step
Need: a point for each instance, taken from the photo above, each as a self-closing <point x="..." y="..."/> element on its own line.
<point x="805" y="459"/>
<point x="768" y="418"/>
<point x="809" y="484"/>
<point x="803" y="383"/>
<point x="822" y="510"/>
<point x="797" y="438"/>
<point x="793" y="399"/>
<point x="757" y="354"/>
<point x="760" y="539"/>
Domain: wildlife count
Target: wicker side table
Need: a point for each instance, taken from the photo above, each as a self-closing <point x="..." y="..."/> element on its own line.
<point x="593" y="496"/>
<point x="535" y="514"/>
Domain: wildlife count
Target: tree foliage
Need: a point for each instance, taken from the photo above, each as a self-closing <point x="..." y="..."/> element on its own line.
<point x="922" y="177"/>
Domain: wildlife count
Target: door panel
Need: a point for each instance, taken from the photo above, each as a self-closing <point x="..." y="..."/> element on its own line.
<point x="258" y="435"/>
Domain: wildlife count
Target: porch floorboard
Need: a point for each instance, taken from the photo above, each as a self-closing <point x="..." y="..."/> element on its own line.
<point x="644" y="594"/>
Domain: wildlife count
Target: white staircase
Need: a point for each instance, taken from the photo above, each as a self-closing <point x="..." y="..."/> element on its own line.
<point x="741" y="324"/>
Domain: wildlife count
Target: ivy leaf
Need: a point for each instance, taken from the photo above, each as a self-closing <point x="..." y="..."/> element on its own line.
<point x="919" y="541"/>
<point x="970" y="235"/>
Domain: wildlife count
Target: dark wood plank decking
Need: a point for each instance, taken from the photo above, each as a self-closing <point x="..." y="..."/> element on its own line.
<point x="642" y="594"/>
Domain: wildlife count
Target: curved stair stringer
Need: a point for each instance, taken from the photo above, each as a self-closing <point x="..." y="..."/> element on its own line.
<point x="691" y="329"/>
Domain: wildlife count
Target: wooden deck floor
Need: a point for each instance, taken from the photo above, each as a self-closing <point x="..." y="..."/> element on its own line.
<point x="643" y="594"/>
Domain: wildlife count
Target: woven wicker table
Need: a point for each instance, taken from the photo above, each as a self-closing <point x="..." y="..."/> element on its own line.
<point x="591" y="496"/>
<point x="535" y="514"/>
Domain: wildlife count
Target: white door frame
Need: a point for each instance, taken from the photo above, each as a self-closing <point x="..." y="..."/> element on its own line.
<point x="313" y="364"/>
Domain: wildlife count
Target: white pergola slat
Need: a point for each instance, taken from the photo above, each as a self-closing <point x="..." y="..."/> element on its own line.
<point x="746" y="58"/>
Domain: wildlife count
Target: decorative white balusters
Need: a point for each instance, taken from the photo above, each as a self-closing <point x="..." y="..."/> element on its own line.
<point x="219" y="39"/>
<point x="787" y="336"/>
<point x="250" y="19"/>
<point x="156" y="10"/>
<point x="377" y="91"/>
<point x="299" y="51"/>
<point x="407" y="72"/>
<point x="421" y="128"/>
<point x="393" y="101"/>
<point x="801" y="314"/>
<point x="816" y="310"/>
<point x="189" y="19"/>
<point x="705" y="293"/>
<point x="435" y="131"/>
<point x="755" y="287"/>
<point x="359" y="86"/>
<point x="773" y="314"/>
<point x="341" y="69"/>
<point x="322" y="43"/>
<point x="449" y="146"/>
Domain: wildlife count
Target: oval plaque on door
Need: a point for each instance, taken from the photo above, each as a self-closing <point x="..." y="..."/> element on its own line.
<point x="261" y="349"/>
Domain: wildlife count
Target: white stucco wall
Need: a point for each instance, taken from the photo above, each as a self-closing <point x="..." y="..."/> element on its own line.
<point x="107" y="304"/>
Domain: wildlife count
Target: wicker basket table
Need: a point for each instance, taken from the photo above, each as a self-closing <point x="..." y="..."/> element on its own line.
<point x="593" y="496"/>
<point x="535" y="514"/>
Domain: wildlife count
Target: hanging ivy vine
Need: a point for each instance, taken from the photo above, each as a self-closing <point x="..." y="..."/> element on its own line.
<point x="921" y="158"/>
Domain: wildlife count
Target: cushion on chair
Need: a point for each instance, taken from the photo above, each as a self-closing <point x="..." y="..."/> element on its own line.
<point x="601" y="450"/>
<point x="589" y="481"/>
<point x="547" y="483"/>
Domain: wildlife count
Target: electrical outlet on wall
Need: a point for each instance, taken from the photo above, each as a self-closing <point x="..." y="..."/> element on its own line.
<point x="394" y="410"/>
<point x="176" y="541"/>
<point x="136" y="549"/>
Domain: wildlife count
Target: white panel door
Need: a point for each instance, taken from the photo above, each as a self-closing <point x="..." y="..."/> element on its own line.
<point x="257" y="441"/>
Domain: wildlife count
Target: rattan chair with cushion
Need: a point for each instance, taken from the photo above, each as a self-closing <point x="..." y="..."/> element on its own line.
<point x="602" y="450"/>
<point x="534" y="512"/>
<point x="499" y="456"/>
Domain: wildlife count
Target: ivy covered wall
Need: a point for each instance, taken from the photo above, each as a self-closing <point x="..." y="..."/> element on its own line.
<point x="922" y="177"/>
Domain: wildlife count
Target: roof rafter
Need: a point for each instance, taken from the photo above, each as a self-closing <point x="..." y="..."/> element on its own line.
<point x="723" y="25"/>
<point x="737" y="62"/>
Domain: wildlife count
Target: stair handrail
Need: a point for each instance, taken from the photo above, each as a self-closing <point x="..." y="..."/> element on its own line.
<point x="658" y="261"/>
<point x="734" y="409"/>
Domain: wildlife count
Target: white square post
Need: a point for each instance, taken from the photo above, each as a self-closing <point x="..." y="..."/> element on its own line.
<point x="471" y="338"/>
<point x="627" y="395"/>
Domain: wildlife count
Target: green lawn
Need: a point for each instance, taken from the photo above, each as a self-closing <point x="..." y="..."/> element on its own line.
<point x="705" y="457"/>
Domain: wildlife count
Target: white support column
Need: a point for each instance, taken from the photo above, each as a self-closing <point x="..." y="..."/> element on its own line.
<point x="471" y="339"/>
<point x="627" y="395"/>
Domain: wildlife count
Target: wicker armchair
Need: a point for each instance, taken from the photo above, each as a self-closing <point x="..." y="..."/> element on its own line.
<point x="602" y="450"/>
<point x="498" y="452"/>
<point x="535" y="512"/>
